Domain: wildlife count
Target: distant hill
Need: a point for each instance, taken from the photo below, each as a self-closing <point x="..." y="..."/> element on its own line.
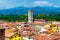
<point x="36" y="10"/>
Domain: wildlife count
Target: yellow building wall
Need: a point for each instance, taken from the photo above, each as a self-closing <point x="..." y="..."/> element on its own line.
<point x="16" y="37"/>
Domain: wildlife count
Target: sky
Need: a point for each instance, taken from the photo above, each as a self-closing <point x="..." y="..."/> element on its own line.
<point x="7" y="4"/>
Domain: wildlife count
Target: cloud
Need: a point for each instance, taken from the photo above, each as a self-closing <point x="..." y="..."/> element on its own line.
<point x="55" y="6"/>
<point x="6" y="4"/>
<point x="42" y="3"/>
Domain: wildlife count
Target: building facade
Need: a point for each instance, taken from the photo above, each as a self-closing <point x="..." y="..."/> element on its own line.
<point x="2" y="34"/>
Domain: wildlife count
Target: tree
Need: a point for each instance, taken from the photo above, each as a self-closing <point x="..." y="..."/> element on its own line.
<point x="41" y="16"/>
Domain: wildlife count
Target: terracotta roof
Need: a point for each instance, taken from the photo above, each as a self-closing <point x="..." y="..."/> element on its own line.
<point x="10" y="30"/>
<point x="44" y="37"/>
<point x="39" y="23"/>
<point x="10" y="24"/>
<point x="28" y="31"/>
<point x="8" y="34"/>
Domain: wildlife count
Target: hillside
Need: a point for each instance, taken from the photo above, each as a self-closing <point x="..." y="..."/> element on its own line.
<point x="36" y="10"/>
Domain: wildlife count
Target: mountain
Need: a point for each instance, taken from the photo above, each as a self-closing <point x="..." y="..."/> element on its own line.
<point x="36" y="10"/>
<point x="46" y="10"/>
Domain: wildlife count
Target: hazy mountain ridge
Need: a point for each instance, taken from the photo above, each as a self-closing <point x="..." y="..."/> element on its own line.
<point x="36" y="10"/>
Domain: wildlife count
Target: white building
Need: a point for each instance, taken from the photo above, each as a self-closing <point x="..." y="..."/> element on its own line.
<point x="27" y="38"/>
<point x="55" y="22"/>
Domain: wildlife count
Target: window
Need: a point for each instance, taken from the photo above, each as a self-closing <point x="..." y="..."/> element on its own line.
<point x="11" y="36"/>
<point x="15" y="36"/>
<point x="19" y="35"/>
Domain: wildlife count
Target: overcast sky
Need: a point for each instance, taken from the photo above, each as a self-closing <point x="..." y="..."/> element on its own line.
<point x="6" y="4"/>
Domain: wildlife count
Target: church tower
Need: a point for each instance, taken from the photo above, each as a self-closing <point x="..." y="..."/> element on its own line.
<point x="30" y="16"/>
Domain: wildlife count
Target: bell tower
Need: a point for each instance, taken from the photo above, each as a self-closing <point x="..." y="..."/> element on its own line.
<point x="30" y="16"/>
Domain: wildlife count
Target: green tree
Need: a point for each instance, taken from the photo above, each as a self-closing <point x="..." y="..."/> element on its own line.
<point x="41" y="16"/>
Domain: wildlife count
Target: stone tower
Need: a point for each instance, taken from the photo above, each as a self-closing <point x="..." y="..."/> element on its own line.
<point x="30" y="16"/>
